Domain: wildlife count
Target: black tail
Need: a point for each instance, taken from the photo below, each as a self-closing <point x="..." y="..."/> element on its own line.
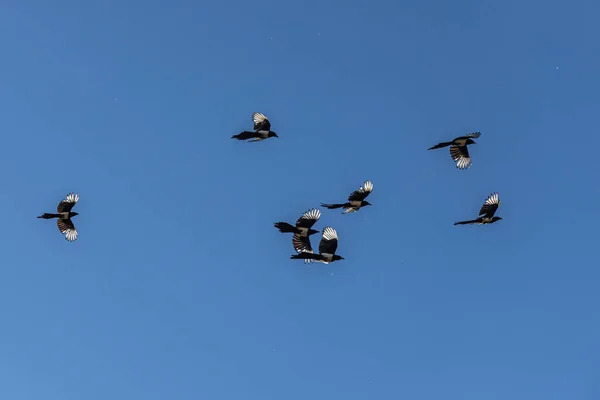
<point x="305" y="256"/>
<point x="440" y="145"/>
<point x="244" y="135"/>
<point x="284" y="227"/>
<point x="465" y="222"/>
<point x="48" y="216"/>
<point x="332" y="206"/>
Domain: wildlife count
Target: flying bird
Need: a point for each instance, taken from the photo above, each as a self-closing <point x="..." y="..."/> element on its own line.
<point x="262" y="129"/>
<point x="458" y="149"/>
<point x="486" y="214"/>
<point x="65" y="225"/>
<point x="304" y="224"/>
<point x="327" y="248"/>
<point x="356" y="200"/>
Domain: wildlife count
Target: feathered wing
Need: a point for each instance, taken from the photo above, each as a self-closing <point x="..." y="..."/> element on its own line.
<point x="66" y="227"/>
<point x="67" y="204"/>
<point x="302" y="245"/>
<point x="460" y="155"/>
<point x="309" y="218"/>
<point x="261" y="122"/>
<point x="362" y="192"/>
<point x="473" y="135"/>
<point x="329" y="241"/>
<point x="490" y="206"/>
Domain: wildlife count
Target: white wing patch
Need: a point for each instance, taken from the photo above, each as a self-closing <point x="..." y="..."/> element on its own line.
<point x="463" y="163"/>
<point x="259" y="118"/>
<point x="329" y="233"/>
<point x="67" y="229"/>
<point x="493" y="199"/>
<point x="72" y="198"/>
<point x="367" y="187"/>
<point x="474" y="135"/>
<point x="313" y="214"/>
<point x="349" y="210"/>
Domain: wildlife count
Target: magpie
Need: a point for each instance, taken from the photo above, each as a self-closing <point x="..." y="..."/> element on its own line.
<point x="458" y="149"/>
<point x="327" y="248"/>
<point x="262" y="129"/>
<point x="65" y="225"/>
<point x="356" y="200"/>
<point x="303" y="224"/>
<point x="486" y="214"/>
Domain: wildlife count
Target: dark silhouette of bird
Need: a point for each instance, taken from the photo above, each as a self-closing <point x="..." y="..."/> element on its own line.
<point x="64" y="223"/>
<point x="458" y="149"/>
<point x="486" y="214"/>
<point x="303" y="224"/>
<point x="327" y="248"/>
<point x="262" y="129"/>
<point x="356" y="200"/>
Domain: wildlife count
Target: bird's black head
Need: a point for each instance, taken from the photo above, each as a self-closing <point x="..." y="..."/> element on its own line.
<point x="312" y="232"/>
<point x="470" y="141"/>
<point x="273" y="134"/>
<point x="365" y="203"/>
<point x="336" y="258"/>
<point x="73" y="213"/>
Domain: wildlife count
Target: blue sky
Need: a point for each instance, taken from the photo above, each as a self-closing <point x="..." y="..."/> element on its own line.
<point x="179" y="286"/>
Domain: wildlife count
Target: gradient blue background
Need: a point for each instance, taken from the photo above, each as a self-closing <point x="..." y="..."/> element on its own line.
<point x="180" y="288"/>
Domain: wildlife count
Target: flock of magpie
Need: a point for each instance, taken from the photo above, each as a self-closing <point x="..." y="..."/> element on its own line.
<point x="302" y="230"/>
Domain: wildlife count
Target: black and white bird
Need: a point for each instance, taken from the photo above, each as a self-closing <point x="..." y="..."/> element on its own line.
<point x="486" y="214"/>
<point x="458" y="149"/>
<point x="304" y="224"/>
<point x="262" y="129"/>
<point x="327" y="248"/>
<point x="65" y="225"/>
<point x="356" y="200"/>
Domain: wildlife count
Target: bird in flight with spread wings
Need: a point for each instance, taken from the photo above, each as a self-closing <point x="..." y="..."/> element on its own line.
<point x="486" y="214"/>
<point x="64" y="215"/>
<point x="458" y="149"/>
<point x="356" y="200"/>
<point x="262" y="129"/>
<point x="327" y="248"/>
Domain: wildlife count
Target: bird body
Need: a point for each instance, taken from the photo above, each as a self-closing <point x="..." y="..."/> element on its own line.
<point x="356" y="200"/>
<point x="262" y="129"/>
<point x="64" y="215"/>
<point x="486" y="214"/>
<point x="458" y="149"/>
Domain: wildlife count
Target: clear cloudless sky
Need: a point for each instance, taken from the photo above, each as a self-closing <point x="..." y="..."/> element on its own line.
<point x="179" y="287"/>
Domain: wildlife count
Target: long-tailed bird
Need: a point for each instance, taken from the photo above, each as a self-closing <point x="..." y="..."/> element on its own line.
<point x="486" y="214"/>
<point x="356" y="200"/>
<point x="303" y="224"/>
<point x="327" y="248"/>
<point x="262" y="129"/>
<point x="65" y="225"/>
<point x="458" y="149"/>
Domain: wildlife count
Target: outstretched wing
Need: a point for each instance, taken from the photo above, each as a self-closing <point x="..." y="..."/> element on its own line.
<point x="308" y="219"/>
<point x="66" y="227"/>
<point x="261" y="122"/>
<point x="473" y="135"/>
<point x="302" y="245"/>
<point x="460" y="155"/>
<point x="362" y="192"/>
<point x="67" y="204"/>
<point x="490" y="206"/>
<point x="329" y="241"/>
